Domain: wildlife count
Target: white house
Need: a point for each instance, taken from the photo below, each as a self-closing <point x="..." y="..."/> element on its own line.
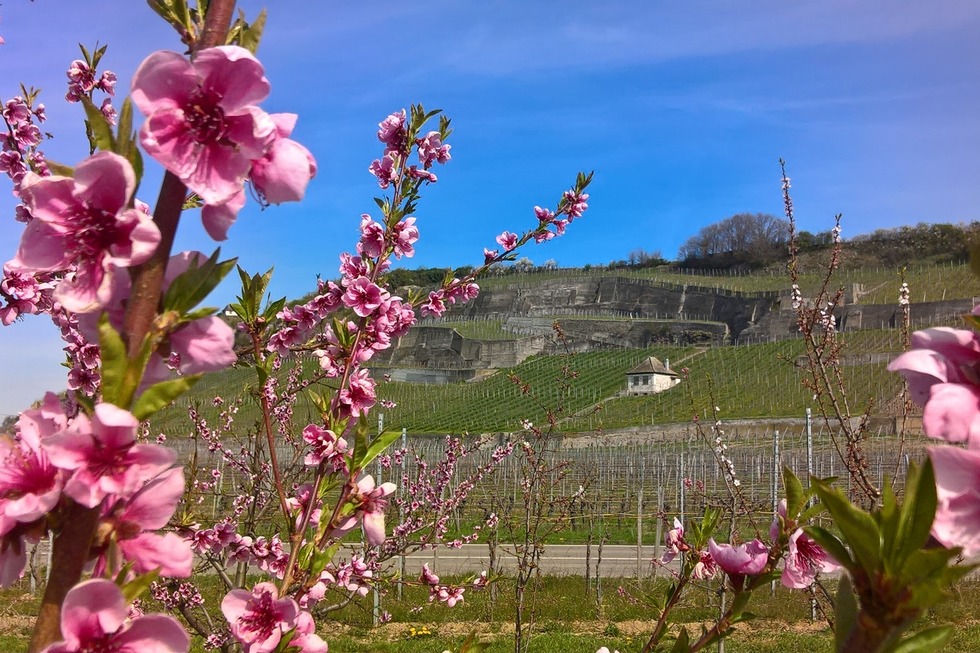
<point x="650" y="377"/>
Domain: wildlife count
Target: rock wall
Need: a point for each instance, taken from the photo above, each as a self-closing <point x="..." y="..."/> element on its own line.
<point x="622" y="297"/>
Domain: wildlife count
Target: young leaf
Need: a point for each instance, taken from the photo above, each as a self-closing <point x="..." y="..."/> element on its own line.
<point x="160" y="395"/>
<point x="101" y="130"/>
<point x="114" y="362"/>
<point x="138" y="586"/>
<point x="682" y="641"/>
<point x="832" y="545"/>
<point x="918" y="511"/>
<point x="926" y="641"/>
<point x="60" y="169"/>
<point x="377" y="447"/>
<point x="795" y="494"/>
<point x="858" y="528"/>
<point x="192" y="286"/>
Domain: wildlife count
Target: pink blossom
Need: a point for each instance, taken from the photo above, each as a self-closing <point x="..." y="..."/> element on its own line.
<point x="306" y="639"/>
<point x="203" y="345"/>
<point x="804" y="559"/>
<point x="95" y="617"/>
<point x="259" y="619"/>
<point x="359" y="394"/>
<point x="432" y="149"/>
<point x="218" y="218"/>
<point x="16" y="111"/>
<point x="941" y="377"/>
<point x="674" y="542"/>
<point x="108" y="111"/>
<point x="363" y="296"/>
<point x="427" y="576"/>
<point x="202" y="124"/>
<point x="103" y="454"/>
<point x="574" y="204"/>
<point x="746" y="559"/>
<point x="325" y="445"/>
<point x="30" y="486"/>
<point x="85" y="222"/>
<point x="705" y="567"/>
<point x="544" y="215"/>
<point x="385" y="169"/>
<point x="371" y="507"/>
<point x="507" y="240"/>
<point x="957" y="521"/>
<point x="129" y="523"/>
<point x="372" y="238"/>
<point x="391" y="131"/>
<point x="435" y="306"/>
<point x="283" y="174"/>
<point x="406" y="233"/>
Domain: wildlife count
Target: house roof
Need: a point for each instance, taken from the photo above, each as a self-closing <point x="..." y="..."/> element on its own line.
<point x="652" y="365"/>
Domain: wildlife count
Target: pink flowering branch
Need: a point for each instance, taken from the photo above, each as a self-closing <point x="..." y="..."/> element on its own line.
<point x="71" y="548"/>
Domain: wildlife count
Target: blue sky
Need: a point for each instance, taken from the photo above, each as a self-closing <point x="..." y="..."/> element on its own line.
<point x="681" y="108"/>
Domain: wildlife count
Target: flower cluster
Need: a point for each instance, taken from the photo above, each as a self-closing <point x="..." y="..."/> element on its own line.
<point x="204" y="126"/>
<point x="941" y="371"/>
<point x="260" y="619"/>
<point x="96" y="462"/>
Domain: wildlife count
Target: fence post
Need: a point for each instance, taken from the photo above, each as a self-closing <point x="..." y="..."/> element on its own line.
<point x="680" y="481"/>
<point x="401" y="558"/>
<point x="639" y="533"/>
<point x="775" y="488"/>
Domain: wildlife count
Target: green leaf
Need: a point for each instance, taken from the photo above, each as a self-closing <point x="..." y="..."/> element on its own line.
<point x="378" y="445"/>
<point x="738" y="604"/>
<point x="197" y="314"/>
<point x="858" y="529"/>
<point x="681" y="644"/>
<point x="138" y="586"/>
<point x="795" y="494"/>
<point x="926" y="641"/>
<point x="918" y="511"/>
<point x="112" y="350"/>
<point x="101" y="129"/>
<point x="252" y="34"/>
<point x="60" y="169"/>
<point x="160" y="395"/>
<point x="832" y="545"/>
<point x="192" y="286"/>
<point x="845" y="613"/>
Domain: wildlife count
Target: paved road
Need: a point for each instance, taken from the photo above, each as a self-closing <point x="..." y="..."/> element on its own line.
<point x="618" y="561"/>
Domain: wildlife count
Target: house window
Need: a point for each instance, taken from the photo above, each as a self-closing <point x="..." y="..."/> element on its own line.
<point x="646" y="380"/>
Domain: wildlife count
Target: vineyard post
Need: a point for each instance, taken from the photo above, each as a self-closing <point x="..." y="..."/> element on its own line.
<point x="639" y="533"/>
<point x="775" y="489"/>
<point x="401" y="558"/>
<point x="376" y="608"/>
<point x="680" y="483"/>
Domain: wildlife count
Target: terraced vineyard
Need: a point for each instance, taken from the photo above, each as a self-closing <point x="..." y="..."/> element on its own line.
<point x="745" y="381"/>
<point x="927" y="282"/>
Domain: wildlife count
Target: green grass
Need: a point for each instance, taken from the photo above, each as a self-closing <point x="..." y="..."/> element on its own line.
<point x="571" y="617"/>
<point x="746" y="381"/>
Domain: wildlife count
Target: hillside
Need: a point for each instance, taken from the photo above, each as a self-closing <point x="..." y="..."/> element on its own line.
<point x="462" y="382"/>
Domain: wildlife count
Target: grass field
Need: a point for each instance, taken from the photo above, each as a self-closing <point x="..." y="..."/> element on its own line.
<point x="746" y="381"/>
<point x="570" y="617"/>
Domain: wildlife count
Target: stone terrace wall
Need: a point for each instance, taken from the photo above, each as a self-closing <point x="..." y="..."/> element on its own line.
<point x="622" y="297"/>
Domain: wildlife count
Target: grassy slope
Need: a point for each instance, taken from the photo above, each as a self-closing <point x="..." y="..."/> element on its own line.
<point x="748" y="381"/>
